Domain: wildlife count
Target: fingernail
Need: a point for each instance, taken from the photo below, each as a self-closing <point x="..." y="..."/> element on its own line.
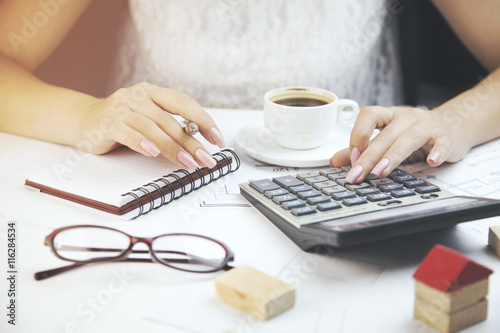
<point x="355" y="153"/>
<point x="205" y="158"/>
<point x="187" y="160"/>
<point x="217" y="137"/>
<point x="380" y="167"/>
<point x="434" y="156"/>
<point x="354" y="174"/>
<point x="150" y="148"/>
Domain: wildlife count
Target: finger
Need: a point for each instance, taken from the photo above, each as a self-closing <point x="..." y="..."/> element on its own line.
<point x="129" y="136"/>
<point x="369" y="119"/>
<point x="441" y="150"/>
<point x="126" y="136"/>
<point x="375" y="151"/>
<point x="155" y="118"/>
<point x="340" y="158"/>
<point x="407" y="144"/>
<point x="180" y="104"/>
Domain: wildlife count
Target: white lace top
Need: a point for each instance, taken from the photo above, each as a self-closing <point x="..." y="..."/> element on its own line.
<point x="228" y="53"/>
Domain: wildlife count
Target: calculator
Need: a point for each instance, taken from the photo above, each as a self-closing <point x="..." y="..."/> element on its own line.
<point x="319" y="208"/>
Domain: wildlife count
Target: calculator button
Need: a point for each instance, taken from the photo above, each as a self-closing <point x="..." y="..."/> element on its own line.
<point x="402" y="193"/>
<point x="300" y="188"/>
<point x="328" y="206"/>
<point x="335" y="176"/>
<point x="273" y="193"/>
<point x="403" y="178"/>
<point x="333" y="189"/>
<point x="378" y="196"/>
<point x="415" y="183"/>
<point x="365" y="191"/>
<point x="354" y="201"/>
<point x="354" y="187"/>
<point x="328" y="183"/>
<point x="303" y="211"/>
<point x="264" y="185"/>
<point x="318" y="200"/>
<point x="427" y="189"/>
<point x="287" y="181"/>
<point x="317" y="179"/>
<point x="326" y="172"/>
<point x="389" y="203"/>
<point x="342" y="182"/>
<point x="343" y="195"/>
<point x="390" y="187"/>
<point x="371" y="176"/>
<point x="293" y="204"/>
<point x="308" y="194"/>
<point x="429" y="196"/>
<point x="396" y="172"/>
<point x="304" y="175"/>
<point x="282" y="198"/>
<point x="380" y="181"/>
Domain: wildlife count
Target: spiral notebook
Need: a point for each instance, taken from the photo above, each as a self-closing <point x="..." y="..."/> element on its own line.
<point x="126" y="183"/>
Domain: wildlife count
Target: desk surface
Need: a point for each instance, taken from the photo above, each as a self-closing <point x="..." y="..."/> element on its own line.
<point x="364" y="288"/>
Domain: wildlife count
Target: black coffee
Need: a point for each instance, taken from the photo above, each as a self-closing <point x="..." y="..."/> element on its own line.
<point x="300" y="101"/>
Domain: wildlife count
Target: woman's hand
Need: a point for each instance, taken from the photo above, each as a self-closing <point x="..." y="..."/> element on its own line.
<point x="140" y="117"/>
<point x="405" y="134"/>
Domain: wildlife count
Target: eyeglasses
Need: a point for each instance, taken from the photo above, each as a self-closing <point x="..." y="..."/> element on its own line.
<point x="88" y="244"/>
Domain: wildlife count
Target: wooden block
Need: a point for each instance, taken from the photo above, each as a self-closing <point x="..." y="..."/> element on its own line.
<point x="450" y="322"/>
<point x="254" y="292"/>
<point x="494" y="239"/>
<point x="455" y="300"/>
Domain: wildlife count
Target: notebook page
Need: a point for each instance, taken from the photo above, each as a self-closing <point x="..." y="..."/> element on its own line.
<point x="105" y="178"/>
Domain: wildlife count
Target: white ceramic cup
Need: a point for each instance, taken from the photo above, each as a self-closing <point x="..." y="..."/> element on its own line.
<point x="296" y="126"/>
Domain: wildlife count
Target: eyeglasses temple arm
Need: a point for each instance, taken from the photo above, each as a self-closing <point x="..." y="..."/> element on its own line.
<point x="52" y="272"/>
<point x="55" y="271"/>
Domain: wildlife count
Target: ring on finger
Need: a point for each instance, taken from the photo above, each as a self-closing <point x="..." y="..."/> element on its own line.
<point x="190" y="127"/>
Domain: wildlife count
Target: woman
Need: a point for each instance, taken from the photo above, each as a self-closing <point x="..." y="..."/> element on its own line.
<point x="227" y="53"/>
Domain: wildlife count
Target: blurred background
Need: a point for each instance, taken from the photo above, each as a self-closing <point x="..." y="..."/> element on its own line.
<point x="83" y="60"/>
<point x="435" y="64"/>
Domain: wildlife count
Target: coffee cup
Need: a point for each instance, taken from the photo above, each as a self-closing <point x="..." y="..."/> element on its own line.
<point x="304" y="117"/>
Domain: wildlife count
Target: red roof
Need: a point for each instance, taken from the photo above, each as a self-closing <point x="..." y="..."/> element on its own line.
<point x="446" y="270"/>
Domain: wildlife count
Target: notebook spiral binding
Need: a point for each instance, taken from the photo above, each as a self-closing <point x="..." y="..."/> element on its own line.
<point x="184" y="182"/>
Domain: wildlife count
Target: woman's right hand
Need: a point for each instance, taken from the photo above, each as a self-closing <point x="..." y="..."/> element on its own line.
<point x="140" y="117"/>
<point x="405" y="134"/>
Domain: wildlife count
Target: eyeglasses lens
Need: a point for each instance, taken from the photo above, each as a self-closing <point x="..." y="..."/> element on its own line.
<point x="187" y="252"/>
<point x="81" y="244"/>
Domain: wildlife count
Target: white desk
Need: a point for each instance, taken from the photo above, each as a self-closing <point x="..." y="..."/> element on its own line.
<point x="362" y="289"/>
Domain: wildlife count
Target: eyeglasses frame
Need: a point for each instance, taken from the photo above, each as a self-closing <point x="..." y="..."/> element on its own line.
<point x="123" y="257"/>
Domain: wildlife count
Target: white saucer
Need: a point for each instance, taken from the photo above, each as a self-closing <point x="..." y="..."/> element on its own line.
<point x="258" y="142"/>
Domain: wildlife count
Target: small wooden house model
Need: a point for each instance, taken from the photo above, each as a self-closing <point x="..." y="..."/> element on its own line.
<point x="450" y="290"/>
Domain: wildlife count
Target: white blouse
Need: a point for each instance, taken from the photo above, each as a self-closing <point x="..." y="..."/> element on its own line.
<point x="228" y="53"/>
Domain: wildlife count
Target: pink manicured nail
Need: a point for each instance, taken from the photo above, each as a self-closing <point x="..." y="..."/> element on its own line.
<point x="354" y="174"/>
<point x="205" y="158"/>
<point x="380" y="167"/>
<point x="187" y="160"/>
<point x="217" y="137"/>
<point x="434" y="156"/>
<point x="150" y="148"/>
<point x="355" y="153"/>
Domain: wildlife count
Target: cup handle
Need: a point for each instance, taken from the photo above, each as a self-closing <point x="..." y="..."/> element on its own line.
<point x="348" y="111"/>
